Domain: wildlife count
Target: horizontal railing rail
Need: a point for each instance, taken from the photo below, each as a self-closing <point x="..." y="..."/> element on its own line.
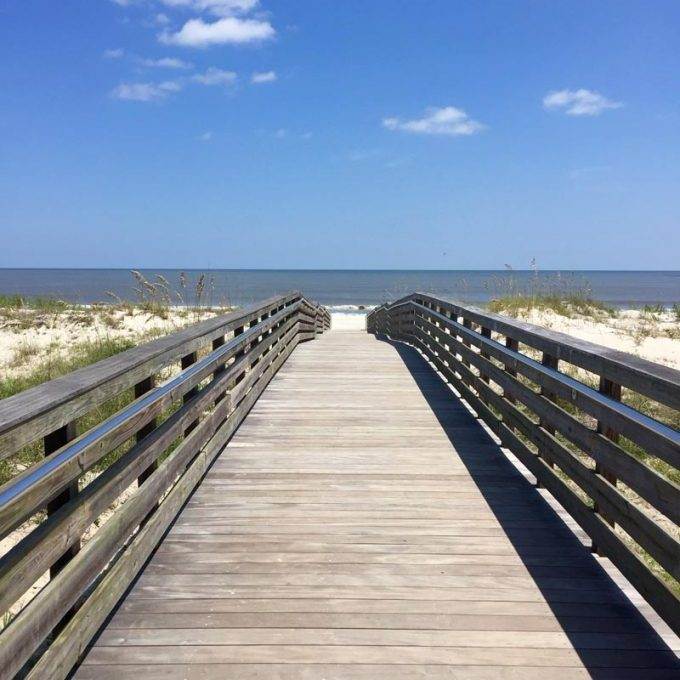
<point x="578" y="416"/>
<point x="134" y="470"/>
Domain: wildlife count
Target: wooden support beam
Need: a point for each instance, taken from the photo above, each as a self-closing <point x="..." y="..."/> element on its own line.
<point x="613" y="391"/>
<point x="52" y="443"/>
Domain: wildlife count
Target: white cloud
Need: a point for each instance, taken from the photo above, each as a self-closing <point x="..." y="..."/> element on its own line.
<point x="198" y="33"/>
<point x="205" y="137"/>
<point x="437" y="121"/>
<point x="215" y="76"/>
<point x="145" y="92"/>
<point x="579" y="102"/>
<point x="167" y="62"/>
<point x="217" y="7"/>
<point x="281" y="133"/>
<point x="114" y="54"/>
<point x="266" y="77"/>
<point x="162" y="19"/>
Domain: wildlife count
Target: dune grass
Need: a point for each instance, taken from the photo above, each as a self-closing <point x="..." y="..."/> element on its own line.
<point x="39" y="304"/>
<point x="567" y="304"/>
<point x="81" y="354"/>
<point x="181" y="305"/>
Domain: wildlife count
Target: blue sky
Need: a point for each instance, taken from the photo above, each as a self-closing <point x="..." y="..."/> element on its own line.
<point x="338" y="133"/>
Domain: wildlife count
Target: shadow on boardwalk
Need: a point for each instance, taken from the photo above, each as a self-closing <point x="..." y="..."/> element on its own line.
<point x="609" y="634"/>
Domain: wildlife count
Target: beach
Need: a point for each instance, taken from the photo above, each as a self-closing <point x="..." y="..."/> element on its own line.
<point x="40" y="338"/>
<point x="655" y="337"/>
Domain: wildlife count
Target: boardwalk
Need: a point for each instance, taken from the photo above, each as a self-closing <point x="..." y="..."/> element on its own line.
<point x="362" y="524"/>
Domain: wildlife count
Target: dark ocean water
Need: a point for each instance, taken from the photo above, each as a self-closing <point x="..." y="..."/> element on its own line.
<point x="345" y="287"/>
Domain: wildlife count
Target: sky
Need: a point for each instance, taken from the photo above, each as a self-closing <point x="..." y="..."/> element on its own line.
<point x="388" y="134"/>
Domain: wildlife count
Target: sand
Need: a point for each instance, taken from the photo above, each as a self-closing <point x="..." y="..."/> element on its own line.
<point x="348" y="321"/>
<point x="24" y="345"/>
<point x="652" y="337"/>
<point x="29" y="338"/>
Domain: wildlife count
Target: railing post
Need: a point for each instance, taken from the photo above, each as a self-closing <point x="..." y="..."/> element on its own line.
<point x="238" y="331"/>
<point x="613" y="391"/>
<point x="141" y="388"/>
<point x="216" y="344"/>
<point x="254" y="342"/>
<point x="485" y="333"/>
<point x="512" y="345"/>
<point x="258" y="339"/>
<point x="551" y="362"/>
<point x="53" y="442"/>
<point x="468" y="324"/>
<point x="399" y="323"/>
<point x="186" y="361"/>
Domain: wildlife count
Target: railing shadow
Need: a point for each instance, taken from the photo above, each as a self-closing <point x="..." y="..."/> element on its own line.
<point x="611" y="637"/>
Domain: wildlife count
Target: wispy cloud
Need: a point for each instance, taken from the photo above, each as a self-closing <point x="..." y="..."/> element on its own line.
<point x="230" y="30"/>
<point x="205" y="137"/>
<point x="114" y="54"/>
<point x="167" y="62"/>
<point x="215" y="76"/>
<point x="579" y="102"/>
<point x="265" y="77"/>
<point x="216" y="7"/>
<point x="145" y="92"/>
<point x="448" y="120"/>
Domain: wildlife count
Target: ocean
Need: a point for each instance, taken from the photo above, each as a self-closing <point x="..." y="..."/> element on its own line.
<point x="346" y="289"/>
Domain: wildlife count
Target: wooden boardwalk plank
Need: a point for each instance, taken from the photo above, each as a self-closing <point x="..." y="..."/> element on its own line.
<point x="360" y="524"/>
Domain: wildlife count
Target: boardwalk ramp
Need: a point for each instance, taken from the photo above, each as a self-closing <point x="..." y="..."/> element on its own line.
<point x="363" y="521"/>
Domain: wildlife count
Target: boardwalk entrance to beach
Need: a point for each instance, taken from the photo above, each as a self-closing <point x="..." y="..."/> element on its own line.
<point x="363" y="524"/>
<point x="448" y="493"/>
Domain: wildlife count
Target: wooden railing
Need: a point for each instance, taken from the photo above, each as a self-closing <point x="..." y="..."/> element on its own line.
<point x="612" y="467"/>
<point x="164" y="441"/>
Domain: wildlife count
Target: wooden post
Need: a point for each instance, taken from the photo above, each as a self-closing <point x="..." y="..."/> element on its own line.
<point x="485" y="333"/>
<point x="551" y="362"/>
<point x="260" y="338"/>
<point x="53" y="442"/>
<point x="216" y="344"/>
<point x="468" y="324"/>
<point x="513" y="345"/>
<point x="142" y="388"/>
<point x="186" y="361"/>
<point x="613" y="391"/>
<point x="254" y="342"/>
<point x="238" y="331"/>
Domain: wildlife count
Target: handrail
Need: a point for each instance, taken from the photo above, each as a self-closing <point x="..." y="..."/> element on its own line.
<point x="35" y="412"/>
<point x="197" y="410"/>
<point x="655" y="381"/>
<point x="578" y="441"/>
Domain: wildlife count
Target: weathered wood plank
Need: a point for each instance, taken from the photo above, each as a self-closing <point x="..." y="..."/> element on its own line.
<point x="362" y="519"/>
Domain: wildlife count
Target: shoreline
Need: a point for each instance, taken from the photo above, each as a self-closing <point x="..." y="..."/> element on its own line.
<point x="340" y="288"/>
